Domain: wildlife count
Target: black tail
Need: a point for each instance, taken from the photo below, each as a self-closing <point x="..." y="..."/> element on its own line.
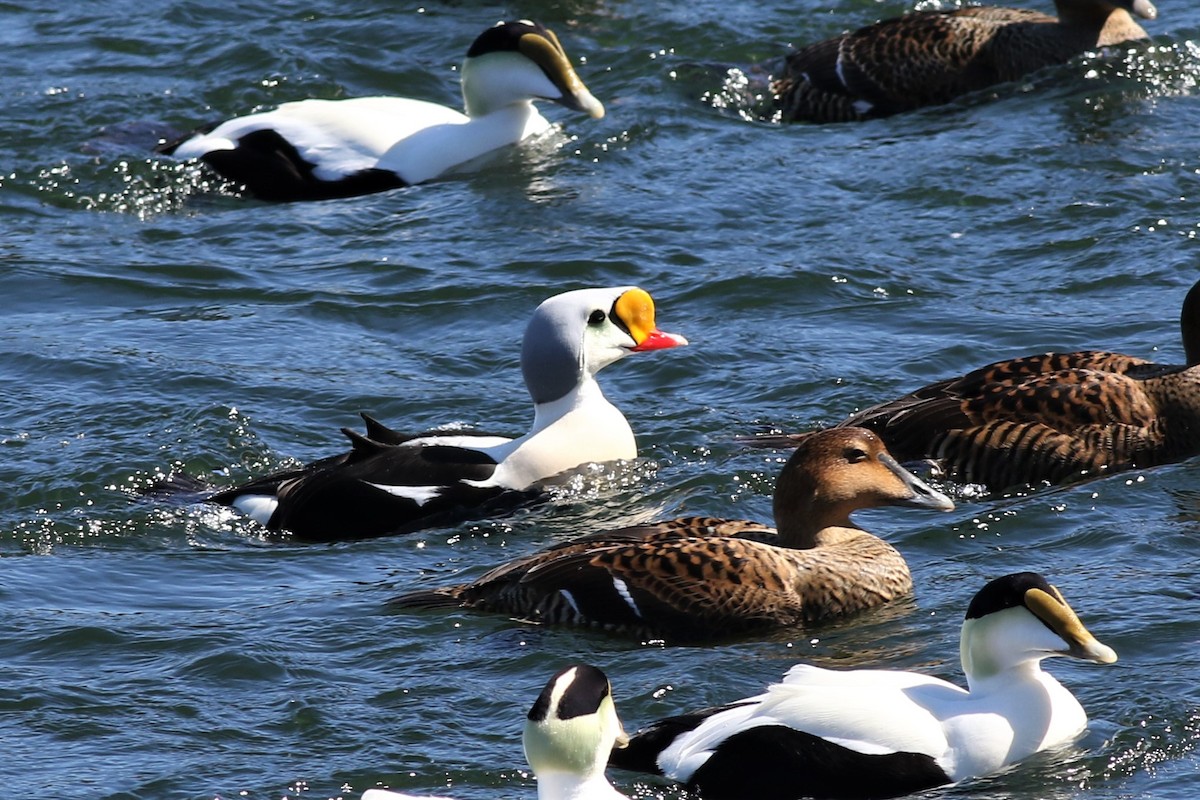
<point x="179" y="486"/>
<point x="167" y="146"/>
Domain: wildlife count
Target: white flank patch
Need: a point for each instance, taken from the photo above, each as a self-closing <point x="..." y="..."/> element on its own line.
<point x="623" y="590"/>
<point x="418" y="494"/>
<point x="258" y="507"/>
<point x="862" y="106"/>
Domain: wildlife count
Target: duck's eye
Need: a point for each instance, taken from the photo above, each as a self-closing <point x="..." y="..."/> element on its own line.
<point x="854" y="455"/>
<point x="597" y="317"/>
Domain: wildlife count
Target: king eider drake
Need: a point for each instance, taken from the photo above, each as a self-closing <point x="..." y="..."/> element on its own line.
<point x="876" y="733"/>
<point x="395" y="483"/>
<point x="698" y="577"/>
<point x="1050" y="418"/>
<point x="321" y="149"/>
<point x="931" y="57"/>
<point x="569" y="732"/>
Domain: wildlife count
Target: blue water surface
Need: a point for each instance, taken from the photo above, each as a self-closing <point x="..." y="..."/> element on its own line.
<point x="152" y="320"/>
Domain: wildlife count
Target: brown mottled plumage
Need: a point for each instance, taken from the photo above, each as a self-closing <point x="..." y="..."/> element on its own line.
<point x="1049" y="418"/>
<point x="699" y="577"/>
<point x="930" y="57"/>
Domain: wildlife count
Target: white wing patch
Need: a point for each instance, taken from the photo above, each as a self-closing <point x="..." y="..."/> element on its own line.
<point x="418" y="494"/>
<point x="860" y="105"/>
<point x="570" y="598"/>
<point x="838" y="68"/>
<point x="623" y="590"/>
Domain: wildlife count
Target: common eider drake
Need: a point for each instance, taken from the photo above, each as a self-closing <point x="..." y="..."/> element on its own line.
<point x="321" y="149"/>
<point x="569" y="733"/>
<point x="394" y="483"/>
<point x="876" y="733"/>
<point x="699" y="577"/>
<point x="931" y="57"/>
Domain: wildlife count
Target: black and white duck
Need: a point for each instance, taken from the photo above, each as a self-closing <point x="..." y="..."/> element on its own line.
<point x="395" y="483"/>
<point x="700" y="577"/>
<point x="320" y="149"/>
<point x="876" y="733"/>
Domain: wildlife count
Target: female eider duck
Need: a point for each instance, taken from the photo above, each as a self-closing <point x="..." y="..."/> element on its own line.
<point x="394" y="483"/>
<point x="928" y="58"/>
<point x="321" y="149"/>
<point x="569" y="733"/>
<point x="875" y="733"/>
<point x="1050" y="418"/>
<point x="698" y="577"/>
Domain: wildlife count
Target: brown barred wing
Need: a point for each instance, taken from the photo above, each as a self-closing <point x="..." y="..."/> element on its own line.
<point x="507" y="589"/>
<point x="1005" y="455"/>
<point x="706" y="587"/>
<point x="811" y="88"/>
<point x="925" y="59"/>
<point x="1017" y="370"/>
<point x="1066" y="400"/>
<point x="687" y="589"/>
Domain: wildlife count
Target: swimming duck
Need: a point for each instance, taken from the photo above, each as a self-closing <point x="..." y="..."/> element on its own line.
<point x="321" y="149"/>
<point x="569" y="732"/>
<point x="1047" y="418"/>
<point x="394" y="483"/>
<point x="877" y="733"/>
<point x="699" y="577"/>
<point x="930" y="57"/>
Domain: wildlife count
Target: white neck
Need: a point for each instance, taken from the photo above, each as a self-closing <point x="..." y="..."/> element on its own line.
<point x="579" y="428"/>
<point x="1030" y="710"/>
<point x="586" y="395"/>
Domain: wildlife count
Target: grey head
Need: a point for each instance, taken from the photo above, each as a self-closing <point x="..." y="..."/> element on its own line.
<point x="574" y="335"/>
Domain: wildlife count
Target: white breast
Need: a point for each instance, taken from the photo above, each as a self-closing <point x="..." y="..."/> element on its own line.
<point x="580" y="428"/>
<point x="427" y="153"/>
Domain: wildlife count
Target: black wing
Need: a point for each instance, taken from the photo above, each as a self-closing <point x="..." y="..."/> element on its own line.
<point x="377" y="489"/>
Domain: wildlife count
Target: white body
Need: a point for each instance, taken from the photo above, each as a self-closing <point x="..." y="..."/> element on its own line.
<point x="1012" y="709"/>
<point x="574" y="423"/>
<point x="1003" y="719"/>
<point x="415" y="139"/>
